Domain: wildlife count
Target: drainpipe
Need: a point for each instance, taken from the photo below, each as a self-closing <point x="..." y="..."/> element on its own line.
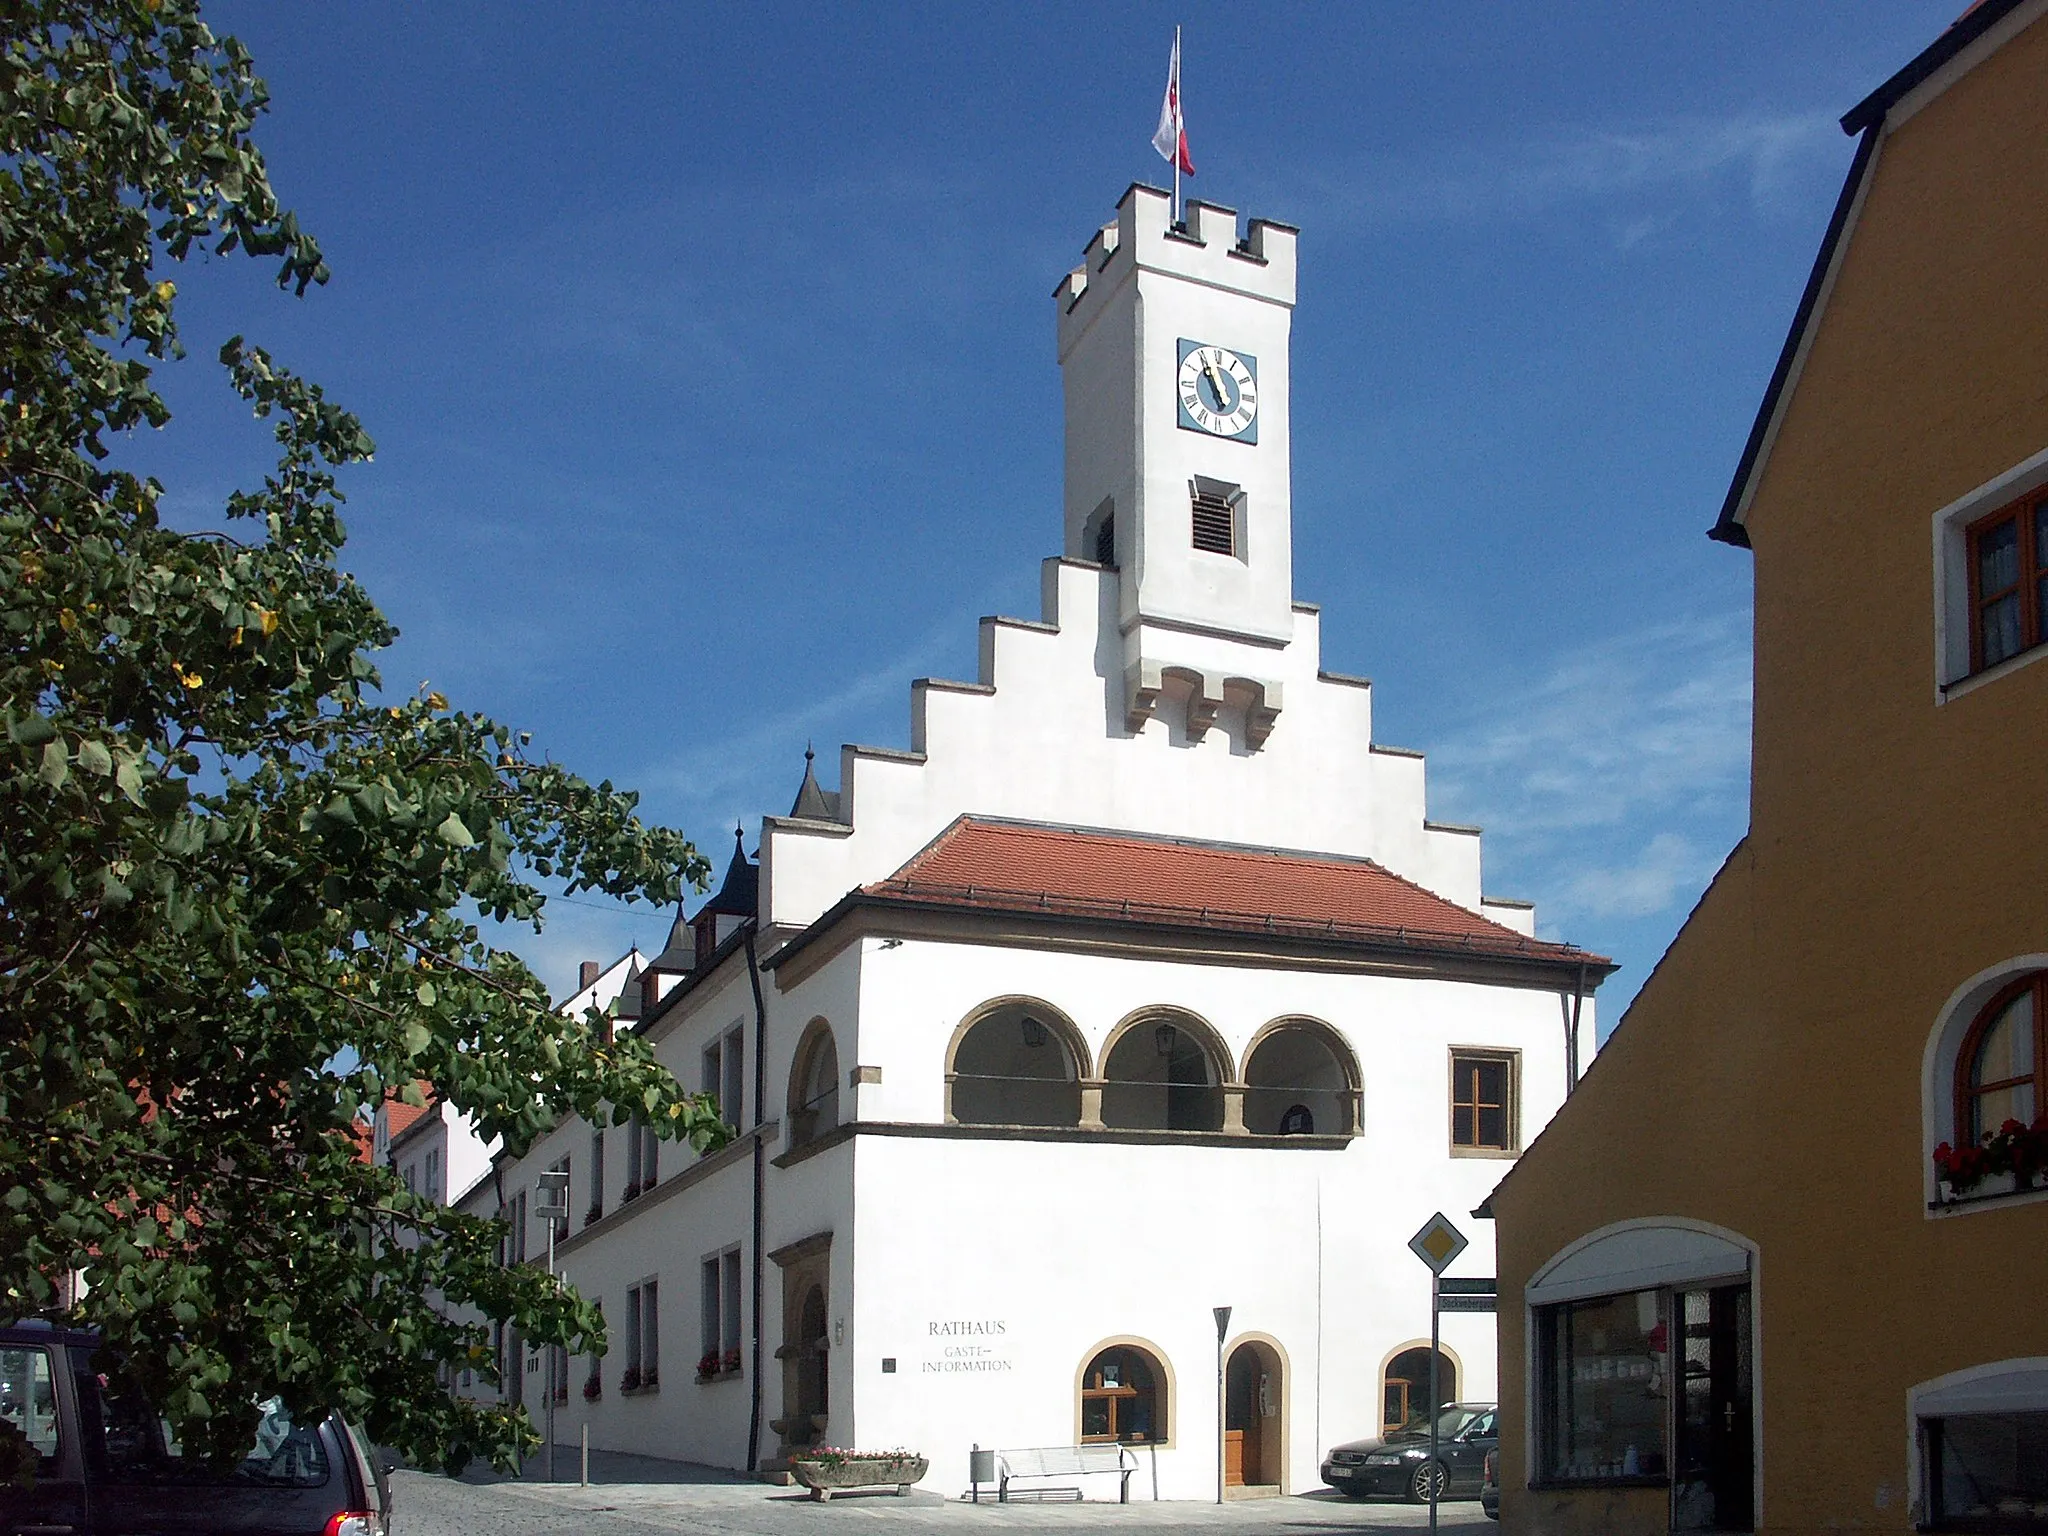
<point x="1571" y="1033"/>
<point x="760" y="1175"/>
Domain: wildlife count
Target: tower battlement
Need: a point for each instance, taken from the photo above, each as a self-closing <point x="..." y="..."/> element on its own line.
<point x="1205" y="248"/>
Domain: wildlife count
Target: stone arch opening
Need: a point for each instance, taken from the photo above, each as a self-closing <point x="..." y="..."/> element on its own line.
<point x="1164" y="1071"/>
<point x="1301" y="1079"/>
<point x="1016" y="1061"/>
<point x="1125" y="1395"/>
<point x="814" y="1085"/>
<point x="1404" y="1385"/>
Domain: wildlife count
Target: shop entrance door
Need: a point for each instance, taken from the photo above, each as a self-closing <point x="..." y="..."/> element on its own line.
<point x="1715" y="1474"/>
<point x="1251" y="1417"/>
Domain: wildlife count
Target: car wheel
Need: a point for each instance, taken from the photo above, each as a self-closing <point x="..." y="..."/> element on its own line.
<point x="1428" y="1481"/>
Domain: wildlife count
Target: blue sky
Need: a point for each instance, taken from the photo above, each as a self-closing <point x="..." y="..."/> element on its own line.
<point x="709" y="353"/>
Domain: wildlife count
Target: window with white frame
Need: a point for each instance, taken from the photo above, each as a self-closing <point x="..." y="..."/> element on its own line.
<point x="725" y="1075"/>
<point x="1982" y="1462"/>
<point x="642" y="1158"/>
<point x="719" y="1315"/>
<point x="643" y="1337"/>
<point x="1991" y="576"/>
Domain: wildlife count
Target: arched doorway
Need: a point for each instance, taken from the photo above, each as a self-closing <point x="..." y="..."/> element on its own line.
<point x="1405" y="1390"/>
<point x="1254" y="1417"/>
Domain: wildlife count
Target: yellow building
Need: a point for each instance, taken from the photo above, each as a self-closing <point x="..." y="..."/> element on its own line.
<point x="1737" y="1290"/>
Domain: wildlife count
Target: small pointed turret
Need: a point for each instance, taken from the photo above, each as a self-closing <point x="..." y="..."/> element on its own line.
<point x="813" y="802"/>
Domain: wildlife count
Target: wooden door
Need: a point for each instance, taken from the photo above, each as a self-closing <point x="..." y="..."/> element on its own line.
<point x="1233" y="1458"/>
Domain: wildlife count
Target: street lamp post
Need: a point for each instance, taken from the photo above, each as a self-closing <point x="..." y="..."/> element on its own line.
<point x="551" y="1205"/>
<point x="1222" y="1421"/>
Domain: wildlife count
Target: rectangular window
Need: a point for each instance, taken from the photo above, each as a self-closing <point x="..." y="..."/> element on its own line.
<point x="650" y="1153"/>
<point x="1484" y="1114"/>
<point x="708" y="1346"/>
<point x="28" y="1400"/>
<point x="733" y="1098"/>
<point x="1987" y="1472"/>
<point x="1215" y="517"/>
<point x="432" y="1188"/>
<point x="1604" y="1376"/>
<point x="729" y="1336"/>
<point x="596" y="1175"/>
<point x="632" y="1159"/>
<point x="650" y="1333"/>
<point x="2008" y="565"/>
<point x="514" y="1213"/>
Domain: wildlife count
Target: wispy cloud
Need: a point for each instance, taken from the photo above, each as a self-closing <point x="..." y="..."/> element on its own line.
<point x="1611" y="781"/>
<point x="1761" y="156"/>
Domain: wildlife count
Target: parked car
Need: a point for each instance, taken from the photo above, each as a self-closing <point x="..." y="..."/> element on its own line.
<point x="1489" y="1485"/>
<point x="1400" y="1462"/>
<point x="109" y="1466"/>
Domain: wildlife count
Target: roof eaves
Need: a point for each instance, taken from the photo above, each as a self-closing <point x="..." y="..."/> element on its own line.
<point x="1728" y="528"/>
<point x="1865" y="118"/>
<point x="1968" y="27"/>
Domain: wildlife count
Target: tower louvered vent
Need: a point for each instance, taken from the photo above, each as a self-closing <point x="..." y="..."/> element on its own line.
<point x="1215" y="522"/>
<point x="1105" y="543"/>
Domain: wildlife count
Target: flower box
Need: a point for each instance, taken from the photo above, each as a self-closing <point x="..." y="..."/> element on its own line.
<point x="593" y="1388"/>
<point x="826" y="1471"/>
<point x="2014" y="1152"/>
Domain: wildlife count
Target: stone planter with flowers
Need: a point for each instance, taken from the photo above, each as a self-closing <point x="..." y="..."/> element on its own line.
<point x="827" y="1470"/>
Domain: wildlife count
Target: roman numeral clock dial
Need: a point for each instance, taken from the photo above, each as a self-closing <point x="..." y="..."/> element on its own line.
<point x="1218" y="391"/>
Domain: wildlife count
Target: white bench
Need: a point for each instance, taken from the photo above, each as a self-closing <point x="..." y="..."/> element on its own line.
<point x="1064" y="1461"/>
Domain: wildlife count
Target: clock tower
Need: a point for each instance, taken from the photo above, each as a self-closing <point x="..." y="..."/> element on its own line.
<point x="1173" y="351"/>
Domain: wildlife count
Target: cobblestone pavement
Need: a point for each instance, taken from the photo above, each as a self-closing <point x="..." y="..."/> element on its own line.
<point x="635" y="1495"/>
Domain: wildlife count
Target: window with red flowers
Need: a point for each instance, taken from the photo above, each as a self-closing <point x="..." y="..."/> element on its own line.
<point x="2009" y="581"/>
<point x="2000" y="1068"/>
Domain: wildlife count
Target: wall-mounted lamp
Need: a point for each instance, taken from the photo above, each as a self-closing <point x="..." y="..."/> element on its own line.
<point x="1166" y="1037"/>
<point x="1034" y="1032"/>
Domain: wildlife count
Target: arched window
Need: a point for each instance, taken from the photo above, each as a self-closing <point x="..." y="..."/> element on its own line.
<point x="1018" y="1064"/>
<point x="1299" y="1080"/>
<point x="814" y="1085"/>
<point x="1999" y="1069"/>
<point x="1124" y="1397"/>
<point x="1161" y="1075"/>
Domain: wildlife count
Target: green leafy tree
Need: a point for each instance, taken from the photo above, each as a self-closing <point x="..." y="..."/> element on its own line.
<point x="233" y="874"/>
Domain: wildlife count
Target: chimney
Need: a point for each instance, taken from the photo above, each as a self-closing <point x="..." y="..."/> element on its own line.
<point x="586" y="973"/>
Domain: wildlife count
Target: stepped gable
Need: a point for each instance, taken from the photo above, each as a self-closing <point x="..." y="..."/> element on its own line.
<point x="985" y="863"/>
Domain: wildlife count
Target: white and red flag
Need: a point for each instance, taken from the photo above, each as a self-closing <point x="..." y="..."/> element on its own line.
<point x="1171" y="137"/>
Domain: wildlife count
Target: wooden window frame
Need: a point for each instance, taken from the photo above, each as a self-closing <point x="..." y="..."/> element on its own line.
<point x="2025" y="514"/>
<point x="1117" y="1396"/>
<point x="1511" y="1062"/>
<point x="1966" y="1091"/>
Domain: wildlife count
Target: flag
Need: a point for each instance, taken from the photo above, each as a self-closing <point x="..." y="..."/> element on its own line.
<point x="1171" y="137"/>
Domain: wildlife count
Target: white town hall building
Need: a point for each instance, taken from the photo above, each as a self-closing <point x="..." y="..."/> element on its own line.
<point x="1140" y="985"/>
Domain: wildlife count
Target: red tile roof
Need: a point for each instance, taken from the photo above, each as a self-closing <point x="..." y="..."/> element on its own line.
<point x="1062" y="871"/>
<point x="399" y="1116"/>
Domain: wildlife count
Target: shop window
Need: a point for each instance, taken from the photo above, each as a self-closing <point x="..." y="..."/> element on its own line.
<point x="1123" y="1398"/>
<point x="814" y="1086"/>
<point x="1016" y="1065"/>
<point x="1162" y="1074"/>
<point x="1300" y="1080"/>
<point x="28" y="1401"/>
<point x="1605" y="1374"/>
<point x="1987" y="1472"/>
<point x="1484" y="1113"/>
<point x="1652" y="1387"/>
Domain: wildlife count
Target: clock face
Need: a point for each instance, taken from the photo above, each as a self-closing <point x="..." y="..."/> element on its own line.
<point x="1218" y="391"/>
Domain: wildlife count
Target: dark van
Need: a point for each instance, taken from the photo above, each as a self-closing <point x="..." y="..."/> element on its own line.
<point x="108" y="1466"/>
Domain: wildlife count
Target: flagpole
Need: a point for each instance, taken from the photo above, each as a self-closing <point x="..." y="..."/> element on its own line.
<point x="1179" y="131"/>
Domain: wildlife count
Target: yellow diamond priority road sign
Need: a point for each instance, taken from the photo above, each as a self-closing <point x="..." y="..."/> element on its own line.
<point x="1437" y="1243"/>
